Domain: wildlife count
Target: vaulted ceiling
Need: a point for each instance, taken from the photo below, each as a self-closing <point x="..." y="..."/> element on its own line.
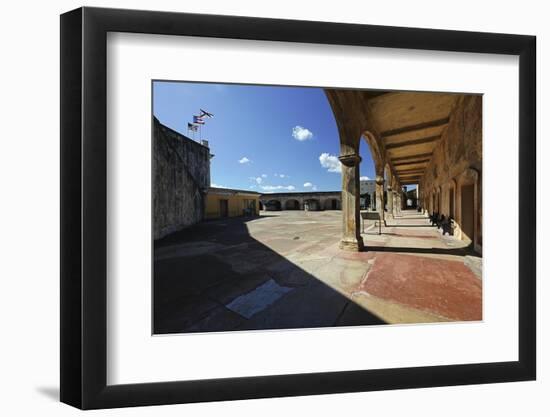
<point x="410" y="126"/>
<point x="407" y="126"/>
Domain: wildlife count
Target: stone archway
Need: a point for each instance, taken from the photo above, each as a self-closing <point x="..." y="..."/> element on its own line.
<point x="377" y="155"/>
<point x="331" y="204"/>
<point x="312" y="204"/>
<point x="273" y="205"/>
<point x="292" y="204"/>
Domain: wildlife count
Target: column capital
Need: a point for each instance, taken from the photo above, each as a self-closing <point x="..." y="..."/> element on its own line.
<point x="379" y="180"/>
<point x="350" y="160"/>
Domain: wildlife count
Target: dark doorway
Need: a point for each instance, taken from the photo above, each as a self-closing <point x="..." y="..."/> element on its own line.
<point x="224" y="208"/>
<point x="367" y="201"/>
<point x="292" y="205"/>
<point x="273" y="205"/>
<point x="312" y="205"/>
<point x="467" y="210"/>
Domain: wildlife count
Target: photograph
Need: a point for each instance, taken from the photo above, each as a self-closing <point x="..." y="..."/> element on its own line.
<point x="296" y="207"/>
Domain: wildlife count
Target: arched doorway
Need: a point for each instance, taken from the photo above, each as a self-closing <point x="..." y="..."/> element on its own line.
<point x="273" y="205"/>
<point x="312" y="204"/>
<point x="292" y="205"/>
<point x="452" y="199"/>
<point x="332" y="204"/>
<point x="467" y="210"/>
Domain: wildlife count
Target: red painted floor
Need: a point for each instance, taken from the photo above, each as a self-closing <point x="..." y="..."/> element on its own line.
<point x="442" y="287"/>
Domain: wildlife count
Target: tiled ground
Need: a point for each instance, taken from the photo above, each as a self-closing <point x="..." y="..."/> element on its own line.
<point x="285" y="270"/>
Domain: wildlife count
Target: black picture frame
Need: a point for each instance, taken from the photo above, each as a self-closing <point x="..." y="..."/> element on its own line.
<point x="84" y="207"/>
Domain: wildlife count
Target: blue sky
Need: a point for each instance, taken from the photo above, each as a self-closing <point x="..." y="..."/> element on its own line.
<point x="266" y="139"/>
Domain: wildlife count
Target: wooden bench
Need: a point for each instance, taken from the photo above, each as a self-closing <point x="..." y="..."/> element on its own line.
<point x="434" y="218"/>
<point x="442" y="222"/>
<point x="372" y="215"/>
<point x="447" y="226"/>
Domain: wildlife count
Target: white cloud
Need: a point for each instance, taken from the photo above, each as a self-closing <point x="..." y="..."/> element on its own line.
<point x="283" y="176"/>
<point x="308" y="184"/>
<point x="259" y="180"/>
<point x="264" y="176"/>
<point x="244" y="160"/>
<point x="314" y="188"/>
<point x="330" y="162"/>
<point x="278" y="187"/>
<point x="212" y="184"/>
<point x="301" y="133"/>
<point x="364" y="178"/>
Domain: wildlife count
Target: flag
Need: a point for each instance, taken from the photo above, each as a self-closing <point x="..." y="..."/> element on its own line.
<point x="192" y="127"/>
<point x="198" y="120"/>
<point x="205" y="113"/>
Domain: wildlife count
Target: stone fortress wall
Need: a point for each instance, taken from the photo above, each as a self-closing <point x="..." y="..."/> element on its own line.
<point x="181" y="177"/>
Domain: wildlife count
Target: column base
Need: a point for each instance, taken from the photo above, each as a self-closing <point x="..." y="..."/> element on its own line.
<point x="352" y="244"/>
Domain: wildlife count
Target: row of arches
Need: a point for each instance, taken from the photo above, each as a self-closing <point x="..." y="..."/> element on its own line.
<point x="307" y="204"/>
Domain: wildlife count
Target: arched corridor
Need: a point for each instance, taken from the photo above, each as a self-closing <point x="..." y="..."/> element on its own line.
<point x="414" y="138"/>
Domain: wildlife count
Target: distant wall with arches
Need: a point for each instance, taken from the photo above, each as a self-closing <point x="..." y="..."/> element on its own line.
<point x="308" y="201"/>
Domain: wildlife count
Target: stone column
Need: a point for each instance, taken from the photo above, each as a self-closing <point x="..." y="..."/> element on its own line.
<point x="395" y="204"/>
<point x="351" y="217"/>
<point x="390" y="200"/>
<point x="380" y="196"/>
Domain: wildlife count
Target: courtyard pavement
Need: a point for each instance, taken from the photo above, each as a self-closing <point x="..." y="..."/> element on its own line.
<point x="285" y="270"/>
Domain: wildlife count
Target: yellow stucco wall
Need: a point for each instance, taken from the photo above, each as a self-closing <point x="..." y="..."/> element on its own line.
<point x="236" y="203"/>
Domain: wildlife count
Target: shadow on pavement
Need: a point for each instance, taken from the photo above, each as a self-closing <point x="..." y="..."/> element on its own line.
<point x="215" y="276"/>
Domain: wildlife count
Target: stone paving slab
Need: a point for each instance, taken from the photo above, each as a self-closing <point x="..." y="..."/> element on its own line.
<point x="318" y="305"/>
<point x="260" y="298"/>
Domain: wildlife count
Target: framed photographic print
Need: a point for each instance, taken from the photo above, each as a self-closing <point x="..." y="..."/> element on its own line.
<point x="258" y="208"/>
